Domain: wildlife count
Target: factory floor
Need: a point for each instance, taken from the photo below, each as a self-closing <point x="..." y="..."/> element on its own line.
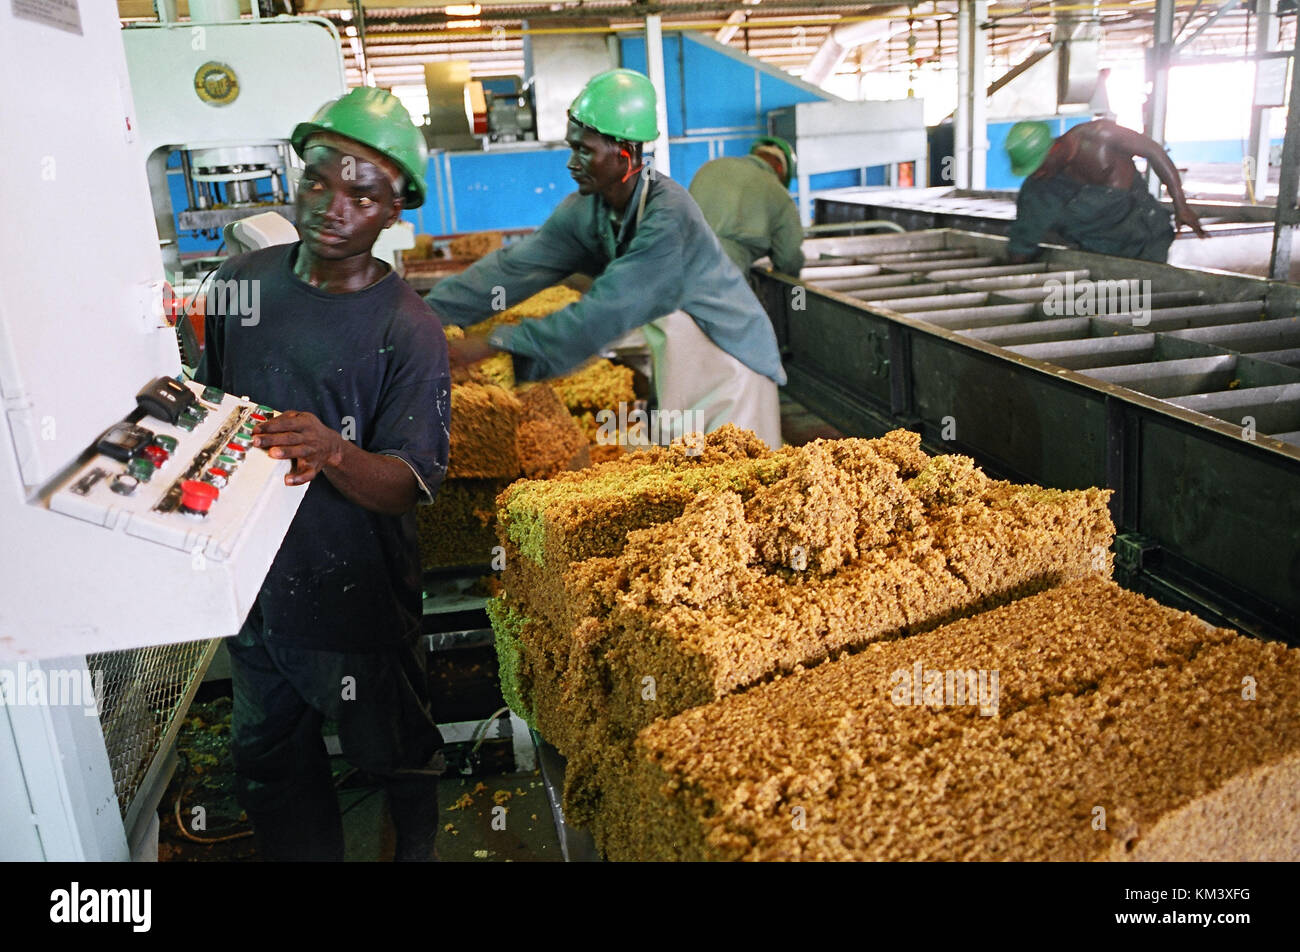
<point x="472" y="829"/>
<point x="465" y="815"/>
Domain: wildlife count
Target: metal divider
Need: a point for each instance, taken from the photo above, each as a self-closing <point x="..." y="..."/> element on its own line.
<point x="1020" y="307"/>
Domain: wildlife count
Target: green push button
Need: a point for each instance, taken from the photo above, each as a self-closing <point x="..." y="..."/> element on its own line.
<point x="141" y="468"/>
<point x="169" y="443"/>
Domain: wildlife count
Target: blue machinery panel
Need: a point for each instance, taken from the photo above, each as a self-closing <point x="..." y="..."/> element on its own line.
<point x="481" y="191"/>
<point x="717" y="101"/>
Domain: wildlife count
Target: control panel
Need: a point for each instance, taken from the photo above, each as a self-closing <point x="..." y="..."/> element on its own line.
<point x="181" y="472"/>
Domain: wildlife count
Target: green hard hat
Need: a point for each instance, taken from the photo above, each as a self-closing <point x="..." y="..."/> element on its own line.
<point x="376" y="118"/>
<point x="1027" y="145"/>
<point x="619" y="104"/>
<point x="786" y="150"/>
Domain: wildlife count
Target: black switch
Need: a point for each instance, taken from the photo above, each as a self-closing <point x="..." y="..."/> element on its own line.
<point x="165" y="399"/>
<point x="122" y="441"/>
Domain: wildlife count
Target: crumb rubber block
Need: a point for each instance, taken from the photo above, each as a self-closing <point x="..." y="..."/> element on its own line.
<point x="548" y="440"/>
<point x="484" y="419"/>
<point x="664" y="581"/>
<point x="459" y="528"/>
<point x="1119" y="729"/>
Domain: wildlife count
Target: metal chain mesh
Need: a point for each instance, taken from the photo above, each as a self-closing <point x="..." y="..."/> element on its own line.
<point x="142" y="691"/>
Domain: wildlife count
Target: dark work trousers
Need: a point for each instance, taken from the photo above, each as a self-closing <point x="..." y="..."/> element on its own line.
<point x="379" y="700"/>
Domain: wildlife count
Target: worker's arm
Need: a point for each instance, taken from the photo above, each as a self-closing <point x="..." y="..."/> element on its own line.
<point x="513" y="274"/>
<point x="378" y="483"/>
<point x="644" y="283"/>
<point x="787" y="237"/>
<point x="1138" y="144"/>
<point x="466" y="352"/>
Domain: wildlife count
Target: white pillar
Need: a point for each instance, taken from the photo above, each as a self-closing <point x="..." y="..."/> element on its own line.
<point x="970" y="126"/>
<point x="1257" y="146"/>
<point x="654" y="57"/>
<point x="1161" y="50"/>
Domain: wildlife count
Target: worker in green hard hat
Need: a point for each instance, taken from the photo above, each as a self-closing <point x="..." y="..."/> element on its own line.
<point x="357" y="363"/>
<point x="746" y="200"/>
<point x="1084" y="190"/>
<point x="657" y="268"/>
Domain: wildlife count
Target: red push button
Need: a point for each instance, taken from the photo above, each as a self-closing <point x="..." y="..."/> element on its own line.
<point x="259" y="417"/>
<point x="197" y="496"/>
<point x="157" y="455"/>
<point x="235" y="450"/>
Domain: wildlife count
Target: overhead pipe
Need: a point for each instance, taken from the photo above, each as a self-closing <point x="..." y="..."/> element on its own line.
<point x="844" y="39"/>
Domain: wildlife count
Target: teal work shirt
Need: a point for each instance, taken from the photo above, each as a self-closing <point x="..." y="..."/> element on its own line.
<point x="670" y="260"/>
<point x="751" y="212"/>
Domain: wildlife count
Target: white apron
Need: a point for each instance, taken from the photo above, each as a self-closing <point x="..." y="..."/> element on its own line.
<point x="698" y="385"/>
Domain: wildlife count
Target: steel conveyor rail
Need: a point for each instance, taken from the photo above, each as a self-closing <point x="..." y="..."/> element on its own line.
<point x="1185" y="401"/>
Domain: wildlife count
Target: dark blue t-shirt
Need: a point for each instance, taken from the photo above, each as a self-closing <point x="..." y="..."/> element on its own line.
<point x="372" y="365"/>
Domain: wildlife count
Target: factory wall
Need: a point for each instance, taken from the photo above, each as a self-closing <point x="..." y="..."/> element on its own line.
<point x="481" y="191"/>
<point x="718" y="101"/>
<point x="1211" y="150"/>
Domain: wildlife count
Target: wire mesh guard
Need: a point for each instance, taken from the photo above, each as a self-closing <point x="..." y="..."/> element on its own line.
<point x="142" y="690"/>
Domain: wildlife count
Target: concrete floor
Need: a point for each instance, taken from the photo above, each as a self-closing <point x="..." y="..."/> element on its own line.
<point x="472" y="831"/>
<point x="501" y="813"/>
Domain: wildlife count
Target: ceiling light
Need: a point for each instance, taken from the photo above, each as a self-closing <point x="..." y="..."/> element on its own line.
<point x="463" y="10"/>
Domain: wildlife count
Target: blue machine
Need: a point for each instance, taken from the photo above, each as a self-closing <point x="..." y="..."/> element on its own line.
<point x="718" y="100"/>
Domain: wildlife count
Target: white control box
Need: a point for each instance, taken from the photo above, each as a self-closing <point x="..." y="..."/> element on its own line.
<point x="166" y="540"/>
<point x="82" y="327"/>
<point x="191" y="485"/>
